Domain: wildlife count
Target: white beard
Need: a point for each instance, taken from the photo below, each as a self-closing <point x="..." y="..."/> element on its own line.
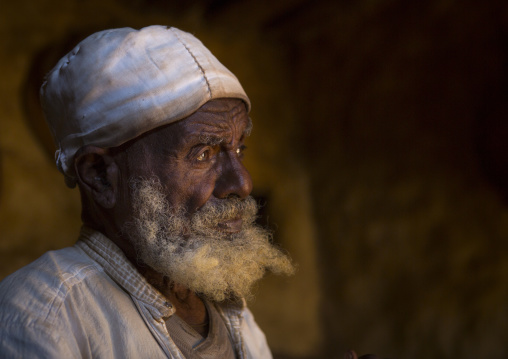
<point x="194" y="253"/>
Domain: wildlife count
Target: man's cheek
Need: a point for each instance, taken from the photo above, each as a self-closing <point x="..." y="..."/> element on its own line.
<point x="199" y="195"/>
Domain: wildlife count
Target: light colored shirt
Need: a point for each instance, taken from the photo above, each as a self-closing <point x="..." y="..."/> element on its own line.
<point x="89" y="301"/>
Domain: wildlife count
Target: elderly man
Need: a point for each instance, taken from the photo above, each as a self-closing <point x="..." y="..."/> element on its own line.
<point x="151" y="128"/>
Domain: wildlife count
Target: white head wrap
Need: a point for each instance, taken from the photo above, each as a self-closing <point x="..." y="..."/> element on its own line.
<point x="118" y="84"/>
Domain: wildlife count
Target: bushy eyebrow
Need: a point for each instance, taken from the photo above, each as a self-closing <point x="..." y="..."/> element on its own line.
<point x="211" y="140"/>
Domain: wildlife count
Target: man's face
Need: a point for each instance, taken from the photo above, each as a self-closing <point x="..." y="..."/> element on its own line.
<point x="199" y="159"/>
<point x="192" y="219"/>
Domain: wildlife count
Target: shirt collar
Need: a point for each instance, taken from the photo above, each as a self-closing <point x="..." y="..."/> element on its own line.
<point x="122" y="271"/>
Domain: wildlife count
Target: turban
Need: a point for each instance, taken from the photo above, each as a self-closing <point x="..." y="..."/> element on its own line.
<point x="118" y="84"/>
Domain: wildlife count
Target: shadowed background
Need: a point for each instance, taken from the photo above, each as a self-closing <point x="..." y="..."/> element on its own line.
<point x="379" y="150"/>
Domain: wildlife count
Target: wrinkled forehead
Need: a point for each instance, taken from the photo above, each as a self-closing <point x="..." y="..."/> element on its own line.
<point x="220" y="115"/>
<point x="217" y="121"/>
<point x="225" y="124"/>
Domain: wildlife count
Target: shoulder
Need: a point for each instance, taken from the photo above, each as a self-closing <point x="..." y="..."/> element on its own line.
<point x="37" y="291"/>
<point x="34" y="304"/>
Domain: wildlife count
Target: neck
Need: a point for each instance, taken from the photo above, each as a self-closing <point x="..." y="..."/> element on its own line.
<point x="188" y="305"/>
<point x="190" y="308"/>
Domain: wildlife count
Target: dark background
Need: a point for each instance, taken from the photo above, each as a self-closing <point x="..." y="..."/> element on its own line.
<point x="379" y="146"/>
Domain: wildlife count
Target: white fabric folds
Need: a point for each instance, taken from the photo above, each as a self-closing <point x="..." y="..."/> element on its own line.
<point x="118" y="84"/>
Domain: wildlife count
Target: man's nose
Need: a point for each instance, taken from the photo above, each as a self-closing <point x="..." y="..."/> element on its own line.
<point x="233" y="179"/>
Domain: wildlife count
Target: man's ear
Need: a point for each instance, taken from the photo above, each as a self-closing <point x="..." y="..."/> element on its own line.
<point x="97" y="174"/>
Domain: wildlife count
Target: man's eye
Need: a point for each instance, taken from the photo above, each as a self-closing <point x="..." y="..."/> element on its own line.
<point x="203" y="156"/>
<point x="239" y="151"/>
